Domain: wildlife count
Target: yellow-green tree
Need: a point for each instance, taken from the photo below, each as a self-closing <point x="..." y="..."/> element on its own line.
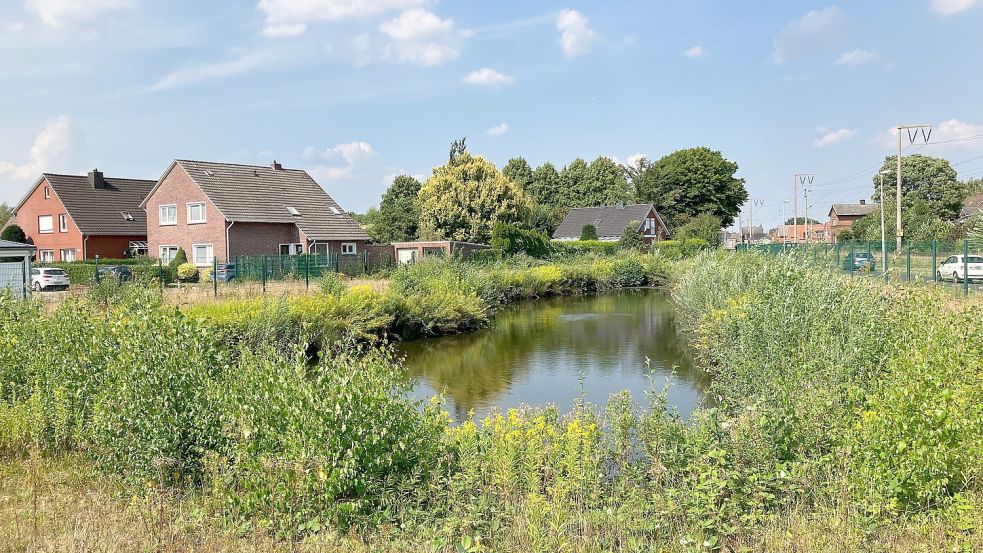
<point x="465" y="198"/>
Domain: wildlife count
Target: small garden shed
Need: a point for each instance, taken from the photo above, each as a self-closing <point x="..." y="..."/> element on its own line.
<point x="15" y="267"/>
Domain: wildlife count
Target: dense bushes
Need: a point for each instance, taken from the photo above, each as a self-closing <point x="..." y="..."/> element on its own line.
<point x="852" y="380"/>
<point x="429" y="298"/>
<point x="510" y="240"/>
<point x="84" y="272"/>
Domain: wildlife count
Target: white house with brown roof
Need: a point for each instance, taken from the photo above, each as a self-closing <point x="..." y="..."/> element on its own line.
<point x="222" y="210"/>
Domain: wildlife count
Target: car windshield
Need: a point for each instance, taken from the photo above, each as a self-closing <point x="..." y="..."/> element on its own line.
<point x="864" y="256"/>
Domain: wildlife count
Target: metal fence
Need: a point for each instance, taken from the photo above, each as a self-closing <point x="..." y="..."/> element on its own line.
<point x="942" y="262"/>
<point x="305" y="267"/>
<point x="14" y="277"/>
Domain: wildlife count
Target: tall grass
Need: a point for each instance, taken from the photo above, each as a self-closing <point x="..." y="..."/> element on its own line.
<point x="842" y="409"/>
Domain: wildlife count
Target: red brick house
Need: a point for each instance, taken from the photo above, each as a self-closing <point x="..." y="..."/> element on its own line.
<point x="842" y="216"/>
<point x="611" y="221"/>
<point x="76" y="217"/>
<point x="222" y="210"/>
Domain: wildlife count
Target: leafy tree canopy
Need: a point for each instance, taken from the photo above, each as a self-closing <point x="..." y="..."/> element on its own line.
<point x="5" y="213"/>
<point x="465" y="198"/>
<point x="630" y="238"/>
<point x="690" y="182"/>
<point x="398" y="216"/>
<point x="518" y="171"/>
<point x="588" y="232"/>
<point x="13" y="233"/>
<point x="923" y="178"/>
<point x="704" y="227"/>
<point x="801" y="221"/>
<point x="545" y="186"/>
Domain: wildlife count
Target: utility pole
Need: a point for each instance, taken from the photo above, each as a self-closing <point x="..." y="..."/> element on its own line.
<point x="797" y="179"/>
<point x="805" y="192"/>
<point x="784" y="223"/>
<point x="913" y="133"/>
<point x="883" y="230"/>
<point x="740" y="228"/>
<point x="750" y="216"/>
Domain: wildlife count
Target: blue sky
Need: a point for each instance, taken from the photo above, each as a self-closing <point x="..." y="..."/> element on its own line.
<point x="355" y="91"/>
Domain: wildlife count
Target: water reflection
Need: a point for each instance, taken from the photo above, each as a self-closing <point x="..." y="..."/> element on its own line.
<point x="556" y="350"/>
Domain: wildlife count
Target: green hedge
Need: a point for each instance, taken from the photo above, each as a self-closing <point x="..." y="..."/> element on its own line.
<point x="585" y="246"/>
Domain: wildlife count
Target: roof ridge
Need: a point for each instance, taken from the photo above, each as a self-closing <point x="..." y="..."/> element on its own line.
<point x="86" y="176"/>
<point x="237" y="164"/>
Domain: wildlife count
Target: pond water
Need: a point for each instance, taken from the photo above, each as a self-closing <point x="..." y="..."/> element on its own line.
<point x="557" y="350"/>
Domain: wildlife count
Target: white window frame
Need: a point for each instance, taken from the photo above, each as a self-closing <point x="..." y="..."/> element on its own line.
<point x="62" y="256"/>
<point x="345" y="246"/>
<point x="46" y="256"/>
<point x="47" y="192"/>
<point x="63" y="222"/>
<point x="51" y="224"/>
<point x="203" y="219"/>
<point x="209" y="255"/>
<point x="160" y="215"/>
<point x="294" y="248"/>
<point x="167" y="248"/>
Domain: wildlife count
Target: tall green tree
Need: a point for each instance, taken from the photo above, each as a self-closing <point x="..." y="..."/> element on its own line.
<point x="691" y="182"/>
<point x="923" y="178"/>
<point x="465" y="198"/>
<point x="458" y="147"/>
<point x="801" y="221"/>
<point x="398" y="217"/>
<point x="576" y="188"/>
<point x="518" y="171"/>
<point x="545" y="186"/>
<point x="609" y="182"/>
<point x="5" y="213"/>
<point x="13" y="233"/>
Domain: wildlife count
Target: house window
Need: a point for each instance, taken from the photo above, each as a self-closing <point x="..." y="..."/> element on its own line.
<point x="291" y="249"/>
<point x="196" y="213"/>
<point x="168" y="214"/>
<point x="63" y="223"/>
<point x="348" y="248"/>
<point x="168" y="253"/>
<point x="47" y="192"/>
<point x="650" y="226"/>
<point x="46" y="256"/>
<point x="202" y="254"/>
<point x="68" y="255"/>
<point x="45" y="224"/>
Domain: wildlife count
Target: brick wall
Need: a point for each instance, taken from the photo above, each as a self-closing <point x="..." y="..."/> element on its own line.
<point x="262" y="238"/>
<point x="37" y="205"/>
<point x="179" y="189"/>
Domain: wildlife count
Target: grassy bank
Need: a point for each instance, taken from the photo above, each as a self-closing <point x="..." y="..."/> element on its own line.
<point x="848" y="418"/>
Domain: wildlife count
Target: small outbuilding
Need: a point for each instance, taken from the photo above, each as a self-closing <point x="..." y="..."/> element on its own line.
<point x="15" y="267"/>
<point x="408" y="252"/>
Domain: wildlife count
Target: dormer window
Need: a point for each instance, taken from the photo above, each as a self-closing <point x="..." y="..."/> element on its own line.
<point x="293" y="211"/>
<point x="335" y="210"/>
<point x="127" y="216"/>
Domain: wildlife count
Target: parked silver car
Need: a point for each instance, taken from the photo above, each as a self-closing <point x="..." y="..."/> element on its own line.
<point x="48" y="278"/>
<point x="955" y="269"/>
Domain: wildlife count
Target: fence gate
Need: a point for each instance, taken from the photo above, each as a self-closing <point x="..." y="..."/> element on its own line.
<point x="13" y="276"/>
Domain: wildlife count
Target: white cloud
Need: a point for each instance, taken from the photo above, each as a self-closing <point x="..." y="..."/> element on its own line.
<point x="344" y="159"/>
<point x="829" y="138"/>
<point x="14" y="26"/>
<point x="857" y="57"/>
<point x="576" y="36"/>
<point x="60" y="13"/>
<point x="951" y="7"/>
<point x="290" y="17"/>
<point x="694" y="52"/>
<point x="48" y="148"/>
<point x="195" y="74"/>
<point x="421" y="37"/>
<point x="815" y="30"/>
<point x="498" y="130"/>
<point x="487" y="77"/>
<point x="954" y="129"/>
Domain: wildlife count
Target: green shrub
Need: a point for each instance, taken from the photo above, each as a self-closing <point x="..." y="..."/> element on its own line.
<point x="628" y="272"/>
<point x="13" y="233"/>
<point x="510" y="240"/>
<point x="588" y="233"/>
<point x="187" y="272"/>
<point x="180" y="258"/>
<point x="579" y="247"/>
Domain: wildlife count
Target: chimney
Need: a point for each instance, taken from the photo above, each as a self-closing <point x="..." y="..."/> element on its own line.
<point x="276" y="166"/>
<point x="863" y="201"/>
<point x="96" y="180"/>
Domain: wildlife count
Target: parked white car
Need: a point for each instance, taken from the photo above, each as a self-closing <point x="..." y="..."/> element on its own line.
<point x="47" y="278"/>
<point x="953" y="268"/>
